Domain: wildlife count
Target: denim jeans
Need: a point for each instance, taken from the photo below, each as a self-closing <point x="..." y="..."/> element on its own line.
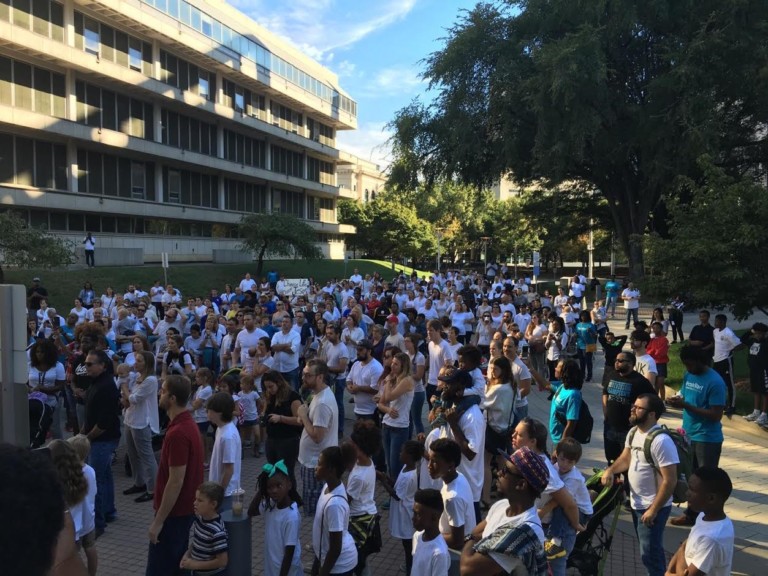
<point x="100" y="460"/>
<point x="631" y="313"/>
<point x="393" y="439"/>
<point x="164" y="557"/>
<point x="293" y="379"/>
<point x="559" y="527"/>
<point x="338" y="391"/>
<point x="142" y="456"/>
<point x="585" y="363"/>
<point x="417" y="406"/>
<point x="652" y="541"/>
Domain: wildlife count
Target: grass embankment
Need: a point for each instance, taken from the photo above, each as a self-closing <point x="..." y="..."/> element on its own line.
<point x="192" y="279"/>
<point x="675" y="370"/>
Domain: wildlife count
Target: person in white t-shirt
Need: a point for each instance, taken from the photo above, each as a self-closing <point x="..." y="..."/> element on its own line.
<point x="631" y="297"/>
<point x="440" y="354"/>
<point x="650" y="483"/>
<point x="246" y="342"/>
<point x="333" y="545"/>
<point x="362" y="381"/>
<point x="428" y="547"/>
<point x="458" y="519"/>
<point x="247" y="283"/>
<point x="726" y="343"/>
<point x="227" y="453"/>
<point x="510" y="539"/>
<point x="709" y="547"/>
<point x="320" y="420"/>
<point x="645" y="364"/>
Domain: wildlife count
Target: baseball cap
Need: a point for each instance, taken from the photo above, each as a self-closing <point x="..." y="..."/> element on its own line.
<point x="36" y="279"/>
<point x="451" y="375"/>
<point x="392" y="318"/>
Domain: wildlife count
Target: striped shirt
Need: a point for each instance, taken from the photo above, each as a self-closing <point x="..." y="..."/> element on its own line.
<point x="207" y="538"/>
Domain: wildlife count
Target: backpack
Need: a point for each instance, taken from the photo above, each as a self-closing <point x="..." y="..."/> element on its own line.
<point x="572" y="347"/>
<point x="583" y="432"/>
<point x="684" y="468"/>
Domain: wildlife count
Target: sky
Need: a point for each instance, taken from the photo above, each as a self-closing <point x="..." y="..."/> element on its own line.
<point x="376" y="48"/>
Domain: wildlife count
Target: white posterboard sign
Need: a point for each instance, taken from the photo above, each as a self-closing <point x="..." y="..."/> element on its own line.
<point x="296" y="287"/>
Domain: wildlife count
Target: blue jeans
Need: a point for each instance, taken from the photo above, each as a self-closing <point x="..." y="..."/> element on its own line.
<point x="559" y="527"/>
<point x="100" y="460"/>
<point x="292" y="378"/>
<point x="393" y="439"/>
<point x="585" y="363"/>
<point x="164" y="557"/>
<point x="652" y="541"/>
<point x="417" y="406"/>
<point x="338" y="391"/>
<point x="631" y="314"/>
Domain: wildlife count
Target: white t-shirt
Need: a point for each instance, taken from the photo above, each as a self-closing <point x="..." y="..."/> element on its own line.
<point x="286" y="361"/>
<point x="248" y="401"/>
<point x="643" y="480"/>
<point x="401" y="511"/>
<point x="84" y="513"/>
<point x="246" y="340"/>
<point x="47" y="379"/>
<point x="555" y="483"/>
<point x="226" y="450"/>
<point x="497" y="517"/>
<point x="281" y="529"/>
<point x="725" y="341"/>
<point x="635" y="299"/>
<point x="332" y="515"/>
<point x="361" y="488"/>
<point x="575" y="484"/>
<point x="472" y="424"/>
<point x="323" y="413"/>
<point x="498" y="404"/>
<point x="459" y="506"/>
<point x="334" y="356"/>
<point x="416" y="361"/>
<point x="365" y="375"/>
<point x="646" y="365"/>
<point x="710" y="546"/>
<point x="430" y="557"/>
<point x="246" y="285"/>
<point x="425" y="480"/>
<point x="520" y="372"/>
<point x="478" y="384"/>
<point x="202" y="393"/>
<point x="439" y="355"/>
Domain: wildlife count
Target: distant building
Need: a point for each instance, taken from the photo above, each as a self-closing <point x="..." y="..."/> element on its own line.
<point x="359" y="179"/>
<point x="505" y="188"/>
<point x="157" y="124"/>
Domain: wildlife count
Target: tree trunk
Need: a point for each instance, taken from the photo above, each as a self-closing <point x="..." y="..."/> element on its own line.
<point x="260" y="263"/>
<point x="636" y="258"/>
<point x="2" y="275"/>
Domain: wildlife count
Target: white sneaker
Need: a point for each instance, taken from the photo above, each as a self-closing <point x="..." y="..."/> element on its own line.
<point x="752" y="417"/>
<point x="762" y="420"/>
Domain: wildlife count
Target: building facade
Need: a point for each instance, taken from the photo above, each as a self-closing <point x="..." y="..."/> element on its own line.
<point x="360" y="179"/>
<point x="156" y="125"/>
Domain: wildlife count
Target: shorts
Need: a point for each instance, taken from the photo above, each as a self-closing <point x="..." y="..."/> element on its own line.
<point x="251" y="423"/>
<point x="88" y="541"/>
<point x="661" y="370"/>
<point x="203" y="427"/>
<point x="758" y="383"/>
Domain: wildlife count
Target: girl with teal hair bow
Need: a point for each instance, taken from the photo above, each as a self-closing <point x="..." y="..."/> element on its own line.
<point x="278" y="501"/>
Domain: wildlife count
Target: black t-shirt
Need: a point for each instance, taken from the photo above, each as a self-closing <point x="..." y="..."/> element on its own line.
<point x="704" y="334"/>
<point x="102" y="408"/>
<point x="34" y="301"/>
<point x="282" y="430"/>
<point x="757" y="357"/>
<point x="622" y="391"/>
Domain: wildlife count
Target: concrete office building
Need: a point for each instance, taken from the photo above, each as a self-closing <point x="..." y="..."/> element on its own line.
<point x="360" y="178"/>
<point x="157" y="124"/>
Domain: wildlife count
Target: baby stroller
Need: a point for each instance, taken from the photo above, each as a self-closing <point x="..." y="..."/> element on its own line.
<point x="593" y="545"/>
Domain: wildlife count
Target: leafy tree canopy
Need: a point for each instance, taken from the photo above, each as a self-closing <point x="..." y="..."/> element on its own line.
<point x="623" y="95"/>
<point x="28" y="247"/>
<point x="716" y="250"/>
<point x="278" y="235"/>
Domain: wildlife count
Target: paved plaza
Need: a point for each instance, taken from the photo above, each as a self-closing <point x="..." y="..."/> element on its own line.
<point x="123" y="548"/>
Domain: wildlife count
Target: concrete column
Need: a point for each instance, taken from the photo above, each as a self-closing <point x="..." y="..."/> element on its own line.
<point x="156" y="66"/>
<point x="304" y="166"/>
<point x="222" y="195"/>
<point x="72" y="166"/>
<point x="157" y="118"/>
<point x="269" y="198"/>
<point x="219" y="141"/>
<point x="268" y="154"/>
<point x="70" y="95"/>
<point x="69" y="22"/>
<point x="219" y="89"/>
<point x="159" y="192"/>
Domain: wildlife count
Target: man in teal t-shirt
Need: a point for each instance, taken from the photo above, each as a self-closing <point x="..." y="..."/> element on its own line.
<point x="566" y="405"/>
<point x="702" y="399"/>
<point x="612" y="289"/>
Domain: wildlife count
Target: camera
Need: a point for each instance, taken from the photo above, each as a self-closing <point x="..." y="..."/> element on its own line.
<point x="525" y="351"/>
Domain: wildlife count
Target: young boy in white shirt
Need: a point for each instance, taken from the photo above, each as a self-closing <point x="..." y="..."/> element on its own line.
<point x="709" y="547"/>
<point x="430" y="552"/>
<point x="226" y="456"/>
<point x="568" y="453"/>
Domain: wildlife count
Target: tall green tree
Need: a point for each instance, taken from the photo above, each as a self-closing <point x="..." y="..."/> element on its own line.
<point x="23" y="246"/>
<point x="624" y="95"/>
<point x="277" y="235"/>
<point x="716" y="251"/>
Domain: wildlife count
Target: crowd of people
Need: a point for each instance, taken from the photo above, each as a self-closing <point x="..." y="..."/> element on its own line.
<point x="255" y="369"/>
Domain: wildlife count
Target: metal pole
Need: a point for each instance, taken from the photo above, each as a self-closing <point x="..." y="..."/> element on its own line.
<point x="613" y="255"/>
<point x="591" y="250"/>
<point x="14" y="409"/>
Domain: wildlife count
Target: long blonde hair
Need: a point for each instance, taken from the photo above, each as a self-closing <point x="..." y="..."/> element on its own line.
<point x="70" y="472"/>
<point x="405" y="365"/>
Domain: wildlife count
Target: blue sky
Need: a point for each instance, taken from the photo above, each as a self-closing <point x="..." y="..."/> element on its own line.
<point x="374" y="46"/>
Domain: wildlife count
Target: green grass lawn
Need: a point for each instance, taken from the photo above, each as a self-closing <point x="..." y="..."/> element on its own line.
<point x="192" y="279"/>
<point x="675" y="370"/>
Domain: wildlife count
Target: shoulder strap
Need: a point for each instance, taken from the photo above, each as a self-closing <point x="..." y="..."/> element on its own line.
<point x="649" y="440"/>
<point x="322" y="522"/>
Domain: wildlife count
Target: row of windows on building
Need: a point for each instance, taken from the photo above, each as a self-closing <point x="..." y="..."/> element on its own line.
<point x="46" y="17"/>
<point x="40" y="90"/>
<point x="57" y="221"/>
<point x="28" y="162"/>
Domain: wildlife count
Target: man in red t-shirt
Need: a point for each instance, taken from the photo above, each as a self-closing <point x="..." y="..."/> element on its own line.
<point x="178" y="476"/>
<point x="658" y="349"/>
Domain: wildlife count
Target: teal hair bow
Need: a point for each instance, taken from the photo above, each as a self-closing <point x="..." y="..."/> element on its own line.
<point x="270" y="469"/>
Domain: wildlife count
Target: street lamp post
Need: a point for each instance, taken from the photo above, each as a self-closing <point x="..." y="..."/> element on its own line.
<point x="439" y="236"/>
<point x="485" y="240"/>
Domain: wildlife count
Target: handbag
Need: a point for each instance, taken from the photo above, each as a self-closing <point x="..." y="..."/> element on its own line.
<point x="538" y="347"/>
<point x="591" y="348"/>
<point x="366" y="532"/>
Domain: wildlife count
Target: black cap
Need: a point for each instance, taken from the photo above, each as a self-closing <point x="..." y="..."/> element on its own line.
<point x="451" y="375"/>
<point x="365" y="344"/>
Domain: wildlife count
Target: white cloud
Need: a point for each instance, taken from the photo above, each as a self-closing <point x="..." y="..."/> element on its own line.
<point x="345" y="69"/>
<point x="368" y="142"/>
<point x="318" y="27"/>
<point x="392" y="81"/>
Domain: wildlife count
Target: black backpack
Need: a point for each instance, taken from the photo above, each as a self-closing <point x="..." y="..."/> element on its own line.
<point x="583" y="432"/>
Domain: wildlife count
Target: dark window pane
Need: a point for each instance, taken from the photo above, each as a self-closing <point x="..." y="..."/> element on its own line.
<point x="108" y="110"/>
<point x="92" y="223"/>
<point x="57" y="21"/>
<point x="77" y="222"/>
<point x="6" y="158"/>
<point x="42" y="91"/>
<point x="44" y="165"/>
<point x="58" y="221"/>
<point x="110" y="175"/>
<point x="124" y="225"/>
<point x="24" y="158"/>
<point x="82" y="171"/>
<point x="108" y="224"/>
<point x="95" y="182"/>
<point x="22" y="79"/>
<point x="38" y="219"/>
<point x="124" y="185"/>
<point x="60" y="166"/>
<point x="6" y="81"/>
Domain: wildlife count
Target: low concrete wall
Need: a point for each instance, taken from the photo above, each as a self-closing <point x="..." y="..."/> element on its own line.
<point x="113" y="256"/>
<point x="230" y="256"/>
